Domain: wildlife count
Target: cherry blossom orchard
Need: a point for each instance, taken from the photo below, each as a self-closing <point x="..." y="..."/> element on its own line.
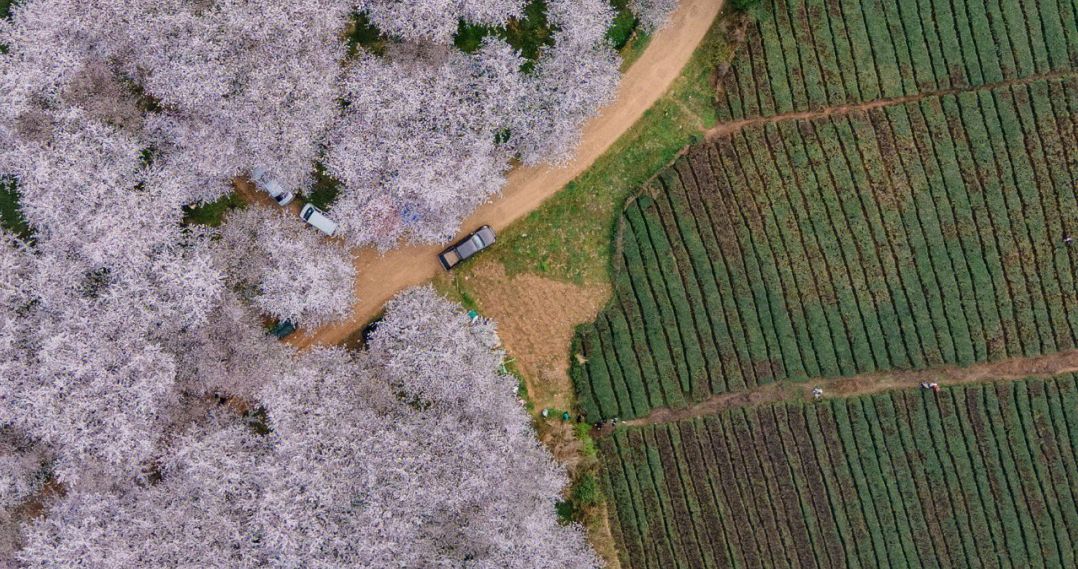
<point x="147" y="417"/>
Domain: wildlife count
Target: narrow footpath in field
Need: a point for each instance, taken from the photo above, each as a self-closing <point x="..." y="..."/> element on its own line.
<point x="1005" y="370"/>
<point x="730" y="127"/>
<point x="380" y="277"/>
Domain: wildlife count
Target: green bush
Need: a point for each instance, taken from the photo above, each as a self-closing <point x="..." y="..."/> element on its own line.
<point x="743" y="5"/>
<point x="212" y="214"/>
<point x="586" y="492"/>
<point x="11" y="217"/>
<point x="621" y="30"/>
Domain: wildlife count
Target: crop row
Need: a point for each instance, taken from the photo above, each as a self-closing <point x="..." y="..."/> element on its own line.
<point x="979" y="476"/>
<point x="904" y="237"/>
<point x="811" y="54"/>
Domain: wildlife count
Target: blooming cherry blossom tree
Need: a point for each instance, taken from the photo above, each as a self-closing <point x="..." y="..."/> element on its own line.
<point x="572" y="80"/>
<point x="436" y="20"/>
<point x="652" y="14"/>
<point x="119" y="321"/>
<point x="417" y="148"/>
<point x="197" y="515"/>
<point x="290" y="271"/>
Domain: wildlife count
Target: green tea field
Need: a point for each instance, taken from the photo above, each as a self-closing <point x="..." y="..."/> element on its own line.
<point x="978" y="476"/>
<point x="906" y="236"/>
<point x="889" y="197"/>
<point x="815" y="54"/>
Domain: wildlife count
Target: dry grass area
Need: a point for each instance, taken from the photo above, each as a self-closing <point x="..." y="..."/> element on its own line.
<point x="536" y="319"/>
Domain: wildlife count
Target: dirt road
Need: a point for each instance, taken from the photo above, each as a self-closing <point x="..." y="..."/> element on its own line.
<point x="382" y="276"/>
<point x="866" y="384"/>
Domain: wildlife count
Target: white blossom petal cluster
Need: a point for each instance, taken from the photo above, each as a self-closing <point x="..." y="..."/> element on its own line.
<point x="291" y="273"/>
<point x="436" y="20"/>
<point x="143" y="408"/>
<point x="416" y="149"/>
<point x="653" y="14"/>
<point x="358" y="467"/>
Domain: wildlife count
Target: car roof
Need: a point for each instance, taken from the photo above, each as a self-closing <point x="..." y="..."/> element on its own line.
<point x="468" y="247"/>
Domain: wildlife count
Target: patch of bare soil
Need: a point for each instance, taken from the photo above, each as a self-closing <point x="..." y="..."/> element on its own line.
<point x="558" y="437"/>
<point x="1013" y="369"/>
<point x="536" y="319"/>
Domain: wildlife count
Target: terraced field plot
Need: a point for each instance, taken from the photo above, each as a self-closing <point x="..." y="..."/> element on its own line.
<point x="813" y="54"/>
<point x="979" y="476"/>
<point x="892" y="186"/>
<point x="902" y="237"/>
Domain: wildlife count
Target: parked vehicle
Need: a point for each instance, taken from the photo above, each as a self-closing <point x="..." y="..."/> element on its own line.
<point x="479" y="239"/>
<point x="317" y="218"/>
<point x="271" y="186"/>
<point x="283" y="329"/>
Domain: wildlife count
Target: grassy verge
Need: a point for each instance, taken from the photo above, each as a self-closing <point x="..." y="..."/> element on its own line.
<point x="325" y="189"/>
<point x="361" y="33"/>
<point x="569" y="237"/>
<point x="11" y="218"/>
<point x="212" y="214"/>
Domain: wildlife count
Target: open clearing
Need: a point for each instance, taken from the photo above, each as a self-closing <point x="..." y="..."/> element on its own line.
<point x="536" y="320"/>
<point x="382" y="276"/>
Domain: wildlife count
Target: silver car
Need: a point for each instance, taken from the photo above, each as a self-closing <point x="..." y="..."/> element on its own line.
<point x="480" y="239"/>
<point x="272" y="187"/>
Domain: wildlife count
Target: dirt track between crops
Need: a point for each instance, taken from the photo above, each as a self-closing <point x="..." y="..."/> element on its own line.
<point x="1006" y="370"/>
<point x="380" y="277"/>
<point x="730" y="127"/>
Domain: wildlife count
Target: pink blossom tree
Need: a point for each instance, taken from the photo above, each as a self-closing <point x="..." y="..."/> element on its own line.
<point x="417" y="148"/>
<point x="21" y="469"/>
<point x="287" y="269"/>
<point x="652" y="14"/>
<point x="118" y="321"/>
<point x="230" y="355"/>
<point x="429" y="132"/>
<point x="257" y="88"/>
<point x="436" y="21"/>
<point x="198" y="514"/>
<point x="409" y="474"/>
<point x="572" y="80"/>
<point x="364" y="465"/>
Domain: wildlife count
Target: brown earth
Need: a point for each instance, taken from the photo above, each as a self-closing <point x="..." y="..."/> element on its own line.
<point x="536" y="319"/>
<point x="727" y="128"/>
<point x="1006" y="370"/>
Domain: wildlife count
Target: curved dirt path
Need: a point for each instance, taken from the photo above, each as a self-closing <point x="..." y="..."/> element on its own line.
<point x="380" y="277"/>
<point x="1006" y="370"/>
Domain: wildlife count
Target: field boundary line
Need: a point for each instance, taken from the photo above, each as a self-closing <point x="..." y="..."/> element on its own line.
<point x="728" y="128"/>
<point x="1008" y="370"/>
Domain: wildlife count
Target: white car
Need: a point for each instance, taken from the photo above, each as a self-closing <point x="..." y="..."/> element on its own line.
<point x="271" y="186"/>
<point x="317" y="218"/>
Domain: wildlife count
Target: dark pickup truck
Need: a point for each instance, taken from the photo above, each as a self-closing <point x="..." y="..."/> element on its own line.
<point x="475" y="242"/>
